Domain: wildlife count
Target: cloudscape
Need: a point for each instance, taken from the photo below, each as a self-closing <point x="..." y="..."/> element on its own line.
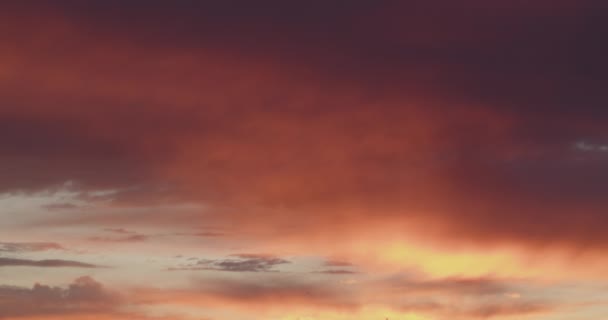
<point x="303" y="160"/>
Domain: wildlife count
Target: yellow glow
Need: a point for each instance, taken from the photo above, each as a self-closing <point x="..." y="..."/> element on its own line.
<point x="367" y="313"/>
<point x="467" y="263"/>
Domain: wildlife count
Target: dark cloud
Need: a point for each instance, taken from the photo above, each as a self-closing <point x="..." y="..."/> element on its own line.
<point x="240" y="263"/>
<point x="19" y="247"/>
<point x="48" y="263"/>
<point x="84" y="295"/>
<point x="73" y="155"/>
<point x="465" y="49"/>
<point x="467" y="112"/>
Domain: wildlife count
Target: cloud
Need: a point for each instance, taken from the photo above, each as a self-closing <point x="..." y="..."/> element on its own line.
<point x="125" y="235"/>
<point x="128" y="238"/>
<point x="487" y="311"/>
<point x="337" y="263"/>
<point x="121" y="235"/>
<point x="289" y="291"/>
<point x="346" y="129"/>
<point x="251" y="294"/>
<point x="208" y="234"/>
<point x="48" y="263"/>
<point x="84" y="295"/>
<point x="412" y="117"/>
<point x="337" y="271"/>
<point x="343" y="267"/>
<point x="202" y="234"/>
<point x="240" y="263"/>
<point x="461" y="299"/>
<point x="19" y="247"/>
<point x="60" y="206"/>
<point x="589" y="147"/>
<point x="484" y="310"/>
<point x="453" y="285"/>
<point x="119" y="230"/>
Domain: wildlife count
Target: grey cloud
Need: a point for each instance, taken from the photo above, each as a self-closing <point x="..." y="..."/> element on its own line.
<point x="48" y="263"/>
<point x="237" y="263"/>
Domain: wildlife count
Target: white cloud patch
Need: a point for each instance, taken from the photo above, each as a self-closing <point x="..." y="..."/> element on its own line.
<point x="590" y="147"/>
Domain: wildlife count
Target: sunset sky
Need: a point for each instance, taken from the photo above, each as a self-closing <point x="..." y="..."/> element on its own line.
<point x="303" y="160"/>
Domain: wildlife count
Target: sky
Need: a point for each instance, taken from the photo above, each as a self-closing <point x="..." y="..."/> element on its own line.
<point x="303" y="160"/>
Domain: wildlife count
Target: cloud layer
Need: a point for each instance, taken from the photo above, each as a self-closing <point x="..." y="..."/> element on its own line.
<point x="436" y="151"/>
<point x="430" y="118"/>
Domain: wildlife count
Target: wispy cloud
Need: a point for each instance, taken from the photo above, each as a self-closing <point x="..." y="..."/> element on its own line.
<point x="126" y="238"/>
<point x="47" y="263"/>
<point x="20" y="247"/>
<point x="120" y="235"/>
<point x="455" y="285"/>
<point x="336" y="271"/>
<point x="238" y="263"/>
<point x="119" y="230"/>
